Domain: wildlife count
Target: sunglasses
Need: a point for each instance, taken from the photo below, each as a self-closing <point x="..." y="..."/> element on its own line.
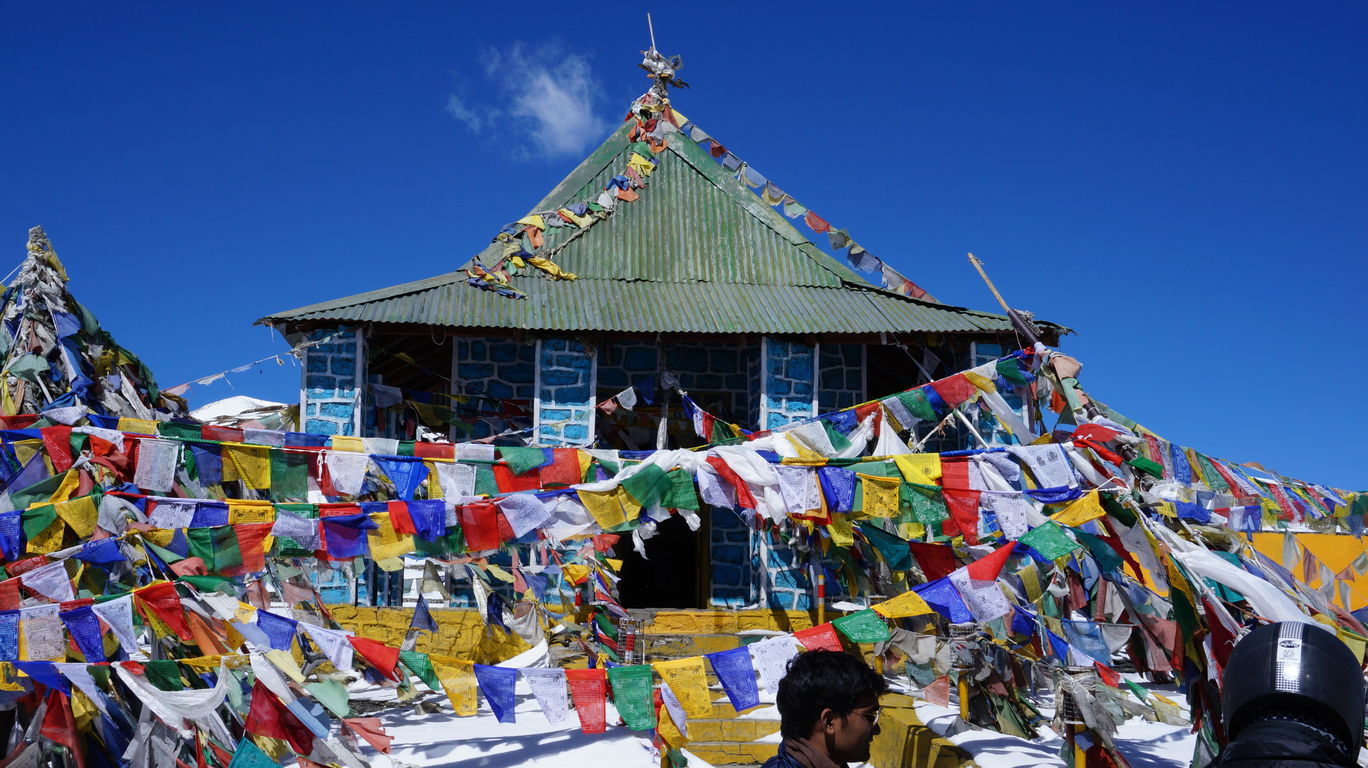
<point x="873" y="719"/>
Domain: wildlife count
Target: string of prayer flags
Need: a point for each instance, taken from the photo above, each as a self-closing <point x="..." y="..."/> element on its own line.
<point x="1049" y="540"/>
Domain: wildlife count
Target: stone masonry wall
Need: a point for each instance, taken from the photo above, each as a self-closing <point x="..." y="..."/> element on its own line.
<point x="704" y="369"/>
<point x="566" y="393"/>
<point x="330" y="394"/>
<point x="840" y="378"/>
<point x="504" y="369"/>
<point x="788" y="382"/>
<point x="732" y="585"/>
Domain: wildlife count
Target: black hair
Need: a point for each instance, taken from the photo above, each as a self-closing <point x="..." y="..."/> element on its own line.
<point x="818" y="680"/>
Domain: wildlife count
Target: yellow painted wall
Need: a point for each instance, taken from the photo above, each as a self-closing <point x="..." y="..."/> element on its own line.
<point x="460" y="633"/>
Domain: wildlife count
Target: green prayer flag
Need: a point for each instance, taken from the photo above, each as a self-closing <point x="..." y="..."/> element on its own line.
<point x="405" y="448"/>
<point x="838" y="440"/>
<point x="249" y="755"/>
<point x="1214" y="479"/>
<point x="1116" y="509"/>
<point x="165" y="675"/>
<point x="38" y="519"/>
<point x="289" y="475"/>
<point x="648" y="485"/>
<point x="1106" y="557"/>
<point x="682" y="493"/>
<point x="917" y="404"/>
<point x="863" y="627"/>
<point x="419" y="664"/>
<point x="926" y="502"/>
<point x="1009" y="368"/>
<point x="227" y="551"/>
<point x="1049" y="540"/>
<point x="333" y="694"/>
<point x="632" y="694"/>
<point x="210" y="583"/>
<point x="485" y="483"/>
<point x="29" y="367"/>
<point x="893" y="549"/>
<point x="521" y="459"/>
<point x="1137" y="689"/>
<point x="1152" y="468"/>
<point x="200" y="543"/>
<point x="38" y="492"/>
<point x="178" y="431"/>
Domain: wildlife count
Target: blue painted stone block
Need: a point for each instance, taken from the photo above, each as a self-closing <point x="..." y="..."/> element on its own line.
<point x="319" y="385"/>
<point x="555" y="414"/>
<point x="639" y="359"/>
<point x="555" y="377"/>
<point x="344" y="366"/>
<point x="317" y="364"/>
<point x="573" y="394"/>
<point x="506" y="352"/>
<point x="477" y="350"/>
<point x="475" y="370"/>
<point x="519" y="373"/>
<point x="500" y="390"/>
<point x="576" y="433"/>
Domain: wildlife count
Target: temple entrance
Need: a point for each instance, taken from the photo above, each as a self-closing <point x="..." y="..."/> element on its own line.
<point x="674" y="573"/>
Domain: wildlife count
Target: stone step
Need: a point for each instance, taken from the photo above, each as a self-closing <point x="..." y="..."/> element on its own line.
<point x="720" y="753"/>
<point x="731" y="731"/>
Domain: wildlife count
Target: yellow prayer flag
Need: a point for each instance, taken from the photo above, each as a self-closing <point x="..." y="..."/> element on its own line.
<point x="458" y="680"/>
<point x="286" y="663"/>
<point x="840" y="530"/>
<point x="244" y="511"/>
<point x="498" y="573"/>
<point x="689" y="681"/>
<point x="880" y="495"/>
<point x="982" y="382"/>
<point x="79" y="513"/>
<point x="921" y="468"/>
<point x="670" y="733"/>
<point x="907" y="604"/>
<point x="575" y="573"/>
<point x="1356" y="643"/>
<point x="610" y="508"/>
<point x="1081" y="511"/>
<point x="26" y="449"/>
<point x="385" y="542"/>
<point x="641" y="164"/>
<point x="249" y="463"/>
<point x="347" y="443"/>
<point x="140" y="426"/>
<point x="534" y="220"/>
<point x="805" y="454"/>
<point x="71" y="481"/>
<point x="49" y="539"/>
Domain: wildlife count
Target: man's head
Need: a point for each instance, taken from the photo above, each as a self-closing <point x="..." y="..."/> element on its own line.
<point x="831" y="700"/>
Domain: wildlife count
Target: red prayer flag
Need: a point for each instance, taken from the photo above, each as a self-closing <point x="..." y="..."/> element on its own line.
<point x="268" y="716"/>
<point x="963" y="505"/>
<point x="563" y="470"/>
<point x="480" y="525"/>
<point x="60" y="726"/>
<point x="10" y="596"/>
<point x="252" y="541"/>
<point x="434" y="450"/>
<point x="163" y="600"/>
<point x="822" y="637"/>
<point x="511" y="483"/>
<point x="400" y="517"/>
<point x="369" y="728"/>
<point x="57" y="443"/>
<point x="936" y="560"/>
<point x="988" y="567"/>
<point x="589" y="691"/>
<point x="1109" y="676"/>
<point x="816" y="223"/>
<point x="377" y="654"/>
<point x="955" y="389"/>
<point x="743" y="495"/>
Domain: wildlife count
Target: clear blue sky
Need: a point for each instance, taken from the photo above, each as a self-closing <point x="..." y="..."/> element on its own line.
<point x="1183" y="185"/>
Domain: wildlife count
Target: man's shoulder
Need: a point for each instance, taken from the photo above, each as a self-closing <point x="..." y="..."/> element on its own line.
<point x="782" y="760"/>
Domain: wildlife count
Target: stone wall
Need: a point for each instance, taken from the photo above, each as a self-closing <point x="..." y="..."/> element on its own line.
<point x="566" y="393"/>
<point x="840" y="378"/>
<point x="788" y="382"/>
<point x="460" y="633"/>
<point x="331" y="398"/>
<point x="722" y="375"/>
<point x="729" y="546"/>
<point x="500" y="368"/>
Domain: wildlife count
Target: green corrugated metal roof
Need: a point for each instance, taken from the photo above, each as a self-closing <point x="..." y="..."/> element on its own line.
<point x="697" y="253"/>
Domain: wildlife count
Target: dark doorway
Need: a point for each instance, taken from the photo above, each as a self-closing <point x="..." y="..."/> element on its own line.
<point x="674" y="572"/>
